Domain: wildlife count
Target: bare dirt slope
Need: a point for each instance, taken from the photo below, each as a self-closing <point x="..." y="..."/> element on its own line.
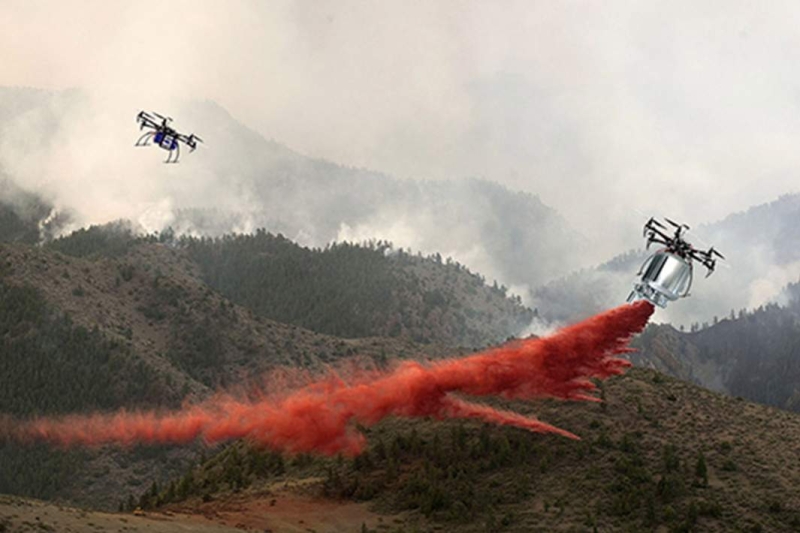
<point x="18" y="515"/>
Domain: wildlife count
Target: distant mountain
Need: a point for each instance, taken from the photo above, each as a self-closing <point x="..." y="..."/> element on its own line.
<point x="750" y="354"/>
<point x="239" y="182"/>
<point x="508" y="236"/>
<point x="762" y="250"/>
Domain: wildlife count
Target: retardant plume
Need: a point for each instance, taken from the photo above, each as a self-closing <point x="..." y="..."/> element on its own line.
<point x="321" y="416"/>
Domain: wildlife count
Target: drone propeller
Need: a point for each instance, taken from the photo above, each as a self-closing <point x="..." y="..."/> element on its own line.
<point x="653" y="237"/>
<point x="712" y="251"/>
<point x="652" y="227"/>
<point x="191" y="140"/>
<point x="710" y="264"/>
<point x="676" y="224"/>
<point x="162" y="117"/>
<point x="146" y="121"/>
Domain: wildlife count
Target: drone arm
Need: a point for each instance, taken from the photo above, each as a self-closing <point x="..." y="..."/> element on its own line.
<point x="656" y="231"/>
<point x="187" y="140"/>
<point x="706" y="258"/>
<point x="653" y="239"/>
<point x="147" y="123"/>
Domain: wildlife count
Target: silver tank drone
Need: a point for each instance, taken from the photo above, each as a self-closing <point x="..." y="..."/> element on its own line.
<point x="667" y="274"/>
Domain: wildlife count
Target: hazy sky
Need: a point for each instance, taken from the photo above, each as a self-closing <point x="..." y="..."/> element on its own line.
<point x="601" y="108"/>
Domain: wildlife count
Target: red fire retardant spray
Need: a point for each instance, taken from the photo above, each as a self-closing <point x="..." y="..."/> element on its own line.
<point x="321" y="416"/>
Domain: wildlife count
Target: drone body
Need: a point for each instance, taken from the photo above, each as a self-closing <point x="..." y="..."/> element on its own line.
<point x="667" y="274"/>
<point x="164" y="136"/>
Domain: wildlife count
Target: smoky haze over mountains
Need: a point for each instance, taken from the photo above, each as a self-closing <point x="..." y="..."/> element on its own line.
<point x="763" y="257"/>
<point x="597" y="108"/>
<point x="246" y="182"/>
<point x="608" y="113"/>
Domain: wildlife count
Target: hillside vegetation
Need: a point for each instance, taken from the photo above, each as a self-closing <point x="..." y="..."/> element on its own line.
<point x="351" y="290"/>
<point x="747" y="354"/>
<point x="659" y="454"/>
<point x="103" y="320"/>
<point x="345" y="290"/>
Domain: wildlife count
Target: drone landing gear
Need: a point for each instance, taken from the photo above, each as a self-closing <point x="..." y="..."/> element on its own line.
<point x="176" y="151"/>
<point x="144" y="140"/>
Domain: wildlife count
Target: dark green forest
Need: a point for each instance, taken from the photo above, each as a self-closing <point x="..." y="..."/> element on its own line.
<point x="754" y="352"/>
<point x="353" y="290"/>
<point x="108" y="240"/>
<point x="345" y="290"/>
<point x="50" y="366"/>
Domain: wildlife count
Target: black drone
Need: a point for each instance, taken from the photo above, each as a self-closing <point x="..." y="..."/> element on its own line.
<point x="677" y="245"/>
<point x="164" y="136"/>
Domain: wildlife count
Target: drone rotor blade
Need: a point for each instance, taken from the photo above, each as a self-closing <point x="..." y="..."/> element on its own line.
<point x="655" y="231"/>
<point x="162" y="117"/>
<point x="146" y="121"/>
<point x="698" y="255"/>
<point x="651" y="225"/>
<point x="676" y="224"/>
<point x="652" y="238"/>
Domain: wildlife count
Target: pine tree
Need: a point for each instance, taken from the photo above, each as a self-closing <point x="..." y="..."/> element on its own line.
<point x="701" y="470"/>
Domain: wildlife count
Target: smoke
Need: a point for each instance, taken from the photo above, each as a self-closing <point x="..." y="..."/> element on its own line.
<point x="762" y="256"/>
<point x="628" y="104"/>
<point x="321" y="416"/>
<point x="632" y="110"/>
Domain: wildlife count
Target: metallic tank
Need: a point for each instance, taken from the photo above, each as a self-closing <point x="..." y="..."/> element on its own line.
<point x="665" y="278"/>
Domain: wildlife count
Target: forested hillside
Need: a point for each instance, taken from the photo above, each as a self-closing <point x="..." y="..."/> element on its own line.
<point x="346" y="290"/>
<point x="659" y="454"/>
<point x="50" y="365"/>
<point x="747" y="354"/>
<point x="102" y="319"/>
<point x="351" y="290"/>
